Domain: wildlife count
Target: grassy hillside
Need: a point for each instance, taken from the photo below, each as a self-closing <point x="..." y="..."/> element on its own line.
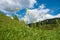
<point x="11" y="29"/>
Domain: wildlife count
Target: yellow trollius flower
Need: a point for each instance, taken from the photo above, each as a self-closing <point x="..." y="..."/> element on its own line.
<point x="17" y="8"/>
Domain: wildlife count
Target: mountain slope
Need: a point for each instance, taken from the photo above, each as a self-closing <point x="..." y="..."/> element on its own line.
<point x="49" y="23"/>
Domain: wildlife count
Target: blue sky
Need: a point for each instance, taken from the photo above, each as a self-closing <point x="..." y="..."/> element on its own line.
<point x="53" y="5"/>
<point x="35" y="7"/>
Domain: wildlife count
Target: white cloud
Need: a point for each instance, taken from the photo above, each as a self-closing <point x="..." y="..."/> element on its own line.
<point x="37" y="15"/>
<point x="58" y="16"/>
<point x="42" y="6"/>
<point x="10" y="5"/>
<point x="48" y="16"/>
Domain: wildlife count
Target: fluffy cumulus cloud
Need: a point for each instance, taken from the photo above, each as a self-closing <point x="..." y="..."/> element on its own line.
<point x="36" y="15"/>
<point x="11" y="5"/>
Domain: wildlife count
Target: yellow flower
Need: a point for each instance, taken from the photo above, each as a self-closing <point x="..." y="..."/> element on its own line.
<point x="17" y="8"/>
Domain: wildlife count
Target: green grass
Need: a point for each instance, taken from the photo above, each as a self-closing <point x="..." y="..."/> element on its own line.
<point x="17" y="30"/>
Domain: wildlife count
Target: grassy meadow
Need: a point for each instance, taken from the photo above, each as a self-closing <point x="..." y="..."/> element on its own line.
<point x="11" y="29"/>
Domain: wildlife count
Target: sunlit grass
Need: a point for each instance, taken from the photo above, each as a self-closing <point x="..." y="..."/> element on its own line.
<point x="18" y="30"/>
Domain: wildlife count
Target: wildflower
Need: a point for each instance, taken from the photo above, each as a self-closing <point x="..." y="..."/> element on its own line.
<point x="17" y="9"/>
